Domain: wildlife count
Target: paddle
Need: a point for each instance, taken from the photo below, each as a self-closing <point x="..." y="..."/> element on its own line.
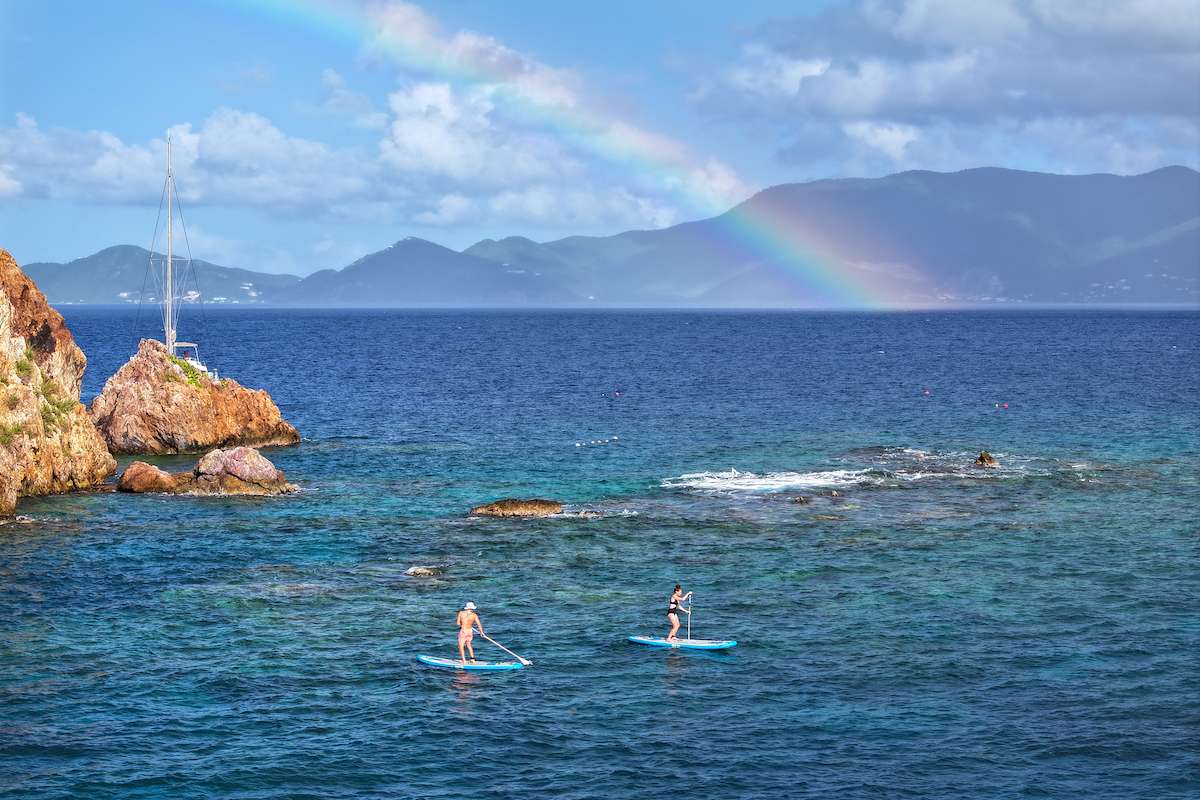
<point x="524" y="661"/>
<point x="689" y="613"/>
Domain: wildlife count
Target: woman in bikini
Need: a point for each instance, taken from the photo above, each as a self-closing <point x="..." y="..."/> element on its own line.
<point x="674" y="606"/>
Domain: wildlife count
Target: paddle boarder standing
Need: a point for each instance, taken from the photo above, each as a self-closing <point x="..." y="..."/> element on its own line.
<point x="467" y="621"/>
<point x="674" y="606"/>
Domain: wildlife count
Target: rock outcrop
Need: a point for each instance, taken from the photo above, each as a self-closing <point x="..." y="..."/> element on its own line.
<point x="518" y="508"/>
<point x="236" y="471"/>
<point x="47" y="443"/>
<point x="423" y="572"/>
<point x="986" y="460"/>
<point x="157" y="404"/>
<point x="140" y="477"/>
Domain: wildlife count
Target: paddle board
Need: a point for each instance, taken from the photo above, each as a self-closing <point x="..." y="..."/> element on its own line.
<point x="685" y="644"/>
<point x="471" y="666"/>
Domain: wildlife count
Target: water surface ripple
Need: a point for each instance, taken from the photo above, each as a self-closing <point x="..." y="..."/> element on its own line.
<point x="933" y="631"/>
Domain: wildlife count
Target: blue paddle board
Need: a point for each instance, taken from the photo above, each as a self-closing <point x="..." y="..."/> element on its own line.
<point x="685" y="644"/>
<point x="470" y="666"/>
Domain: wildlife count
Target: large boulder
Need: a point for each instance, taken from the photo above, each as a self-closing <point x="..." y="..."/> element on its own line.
<point x="244" y="463"/>
<point x="47" y="443"/>
<point x="518" y="508"/>
<point x="141" y="477"/>
<point x="237" y="471"/>
<point x="157" y="404"/>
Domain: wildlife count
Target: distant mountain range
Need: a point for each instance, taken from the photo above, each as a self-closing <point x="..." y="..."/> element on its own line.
<point x="119" y="275"/>
<point x="916" y="238"/>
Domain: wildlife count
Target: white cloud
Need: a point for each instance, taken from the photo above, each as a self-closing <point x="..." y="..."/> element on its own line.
<point x="450" y="208"/>
<point x="952" y="22"/>
<point x="70" y="164"/>
<point x="235" y="157"/>
<point x="714" y="185"/>
<point x="890" y="139"/>
<point x="876" y="81"/>
<point x="9" y="186"/>
<point x="403" y="28"/>
<point x="766" y="72"/>
<point x="440" y="130"/>
<point x="1157" y="24"/>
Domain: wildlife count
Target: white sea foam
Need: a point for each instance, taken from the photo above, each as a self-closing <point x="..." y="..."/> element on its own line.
<point x="736" y="481"/>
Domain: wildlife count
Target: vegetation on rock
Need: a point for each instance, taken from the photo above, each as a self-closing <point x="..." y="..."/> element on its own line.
<point x="193" y="375"/>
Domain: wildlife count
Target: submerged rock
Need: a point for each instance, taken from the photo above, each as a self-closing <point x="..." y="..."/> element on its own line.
<point x="986" y="460"/>
<point x="156" y="404"/>
<point x="800" y="500"/>
<point x="237" y="471"/>
<point x="423" y="572"/>
<point x="511" y="507"/>
<point x="47" y="442"/>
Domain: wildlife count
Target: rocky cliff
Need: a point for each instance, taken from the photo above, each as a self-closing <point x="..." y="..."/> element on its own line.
<point x="158" y="404"/>
<point x="47" y="442"/>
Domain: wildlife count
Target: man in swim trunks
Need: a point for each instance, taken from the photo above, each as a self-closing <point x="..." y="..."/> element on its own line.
<point x="467" y="621"/>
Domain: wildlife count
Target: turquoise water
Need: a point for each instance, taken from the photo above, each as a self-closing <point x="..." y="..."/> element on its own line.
<point x="934" y="631"/>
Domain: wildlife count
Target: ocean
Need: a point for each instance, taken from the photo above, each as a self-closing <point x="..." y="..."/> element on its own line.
<point x="933" y="631"/>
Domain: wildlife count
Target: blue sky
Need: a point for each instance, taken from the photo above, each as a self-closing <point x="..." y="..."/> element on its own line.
<point x="304" y="143"/>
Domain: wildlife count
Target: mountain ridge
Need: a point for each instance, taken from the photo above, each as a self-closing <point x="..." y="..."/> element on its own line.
<point x="915" y="238"/>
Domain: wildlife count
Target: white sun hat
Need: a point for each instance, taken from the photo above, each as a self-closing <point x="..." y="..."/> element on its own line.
<point x="469" y="606"/>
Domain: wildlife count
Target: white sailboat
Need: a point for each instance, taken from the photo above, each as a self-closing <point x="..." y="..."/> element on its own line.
<point x="188" y="352"/>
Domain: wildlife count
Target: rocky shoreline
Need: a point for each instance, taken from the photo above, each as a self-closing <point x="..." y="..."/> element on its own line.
<point x="155" y="404"/>
<point x="48" y="444"/>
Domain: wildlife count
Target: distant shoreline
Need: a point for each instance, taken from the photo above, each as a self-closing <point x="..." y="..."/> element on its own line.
<point x="995" y="307"/>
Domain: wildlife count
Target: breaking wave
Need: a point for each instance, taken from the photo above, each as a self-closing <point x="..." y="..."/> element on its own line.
<point x="889" y="467"/>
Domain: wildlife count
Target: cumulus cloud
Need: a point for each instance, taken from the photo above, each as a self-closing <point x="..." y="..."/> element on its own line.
<point x="888" y="138"/>
<point x="233" y="157"/>
<point x="890" y="77"/>
<point x="460" y="133"/>
<point x="450" y="208"/>
<point x="442" y="162"/>
<point x="401" y="29"/>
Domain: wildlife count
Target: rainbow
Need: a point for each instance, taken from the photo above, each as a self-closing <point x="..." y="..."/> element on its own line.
<point x="805" y="260"/>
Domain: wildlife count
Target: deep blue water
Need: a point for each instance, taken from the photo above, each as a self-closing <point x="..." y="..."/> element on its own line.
<point x="935" y="632"/>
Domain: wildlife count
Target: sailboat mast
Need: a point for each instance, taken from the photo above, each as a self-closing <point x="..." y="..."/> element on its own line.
<point x="168" y="278"/>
